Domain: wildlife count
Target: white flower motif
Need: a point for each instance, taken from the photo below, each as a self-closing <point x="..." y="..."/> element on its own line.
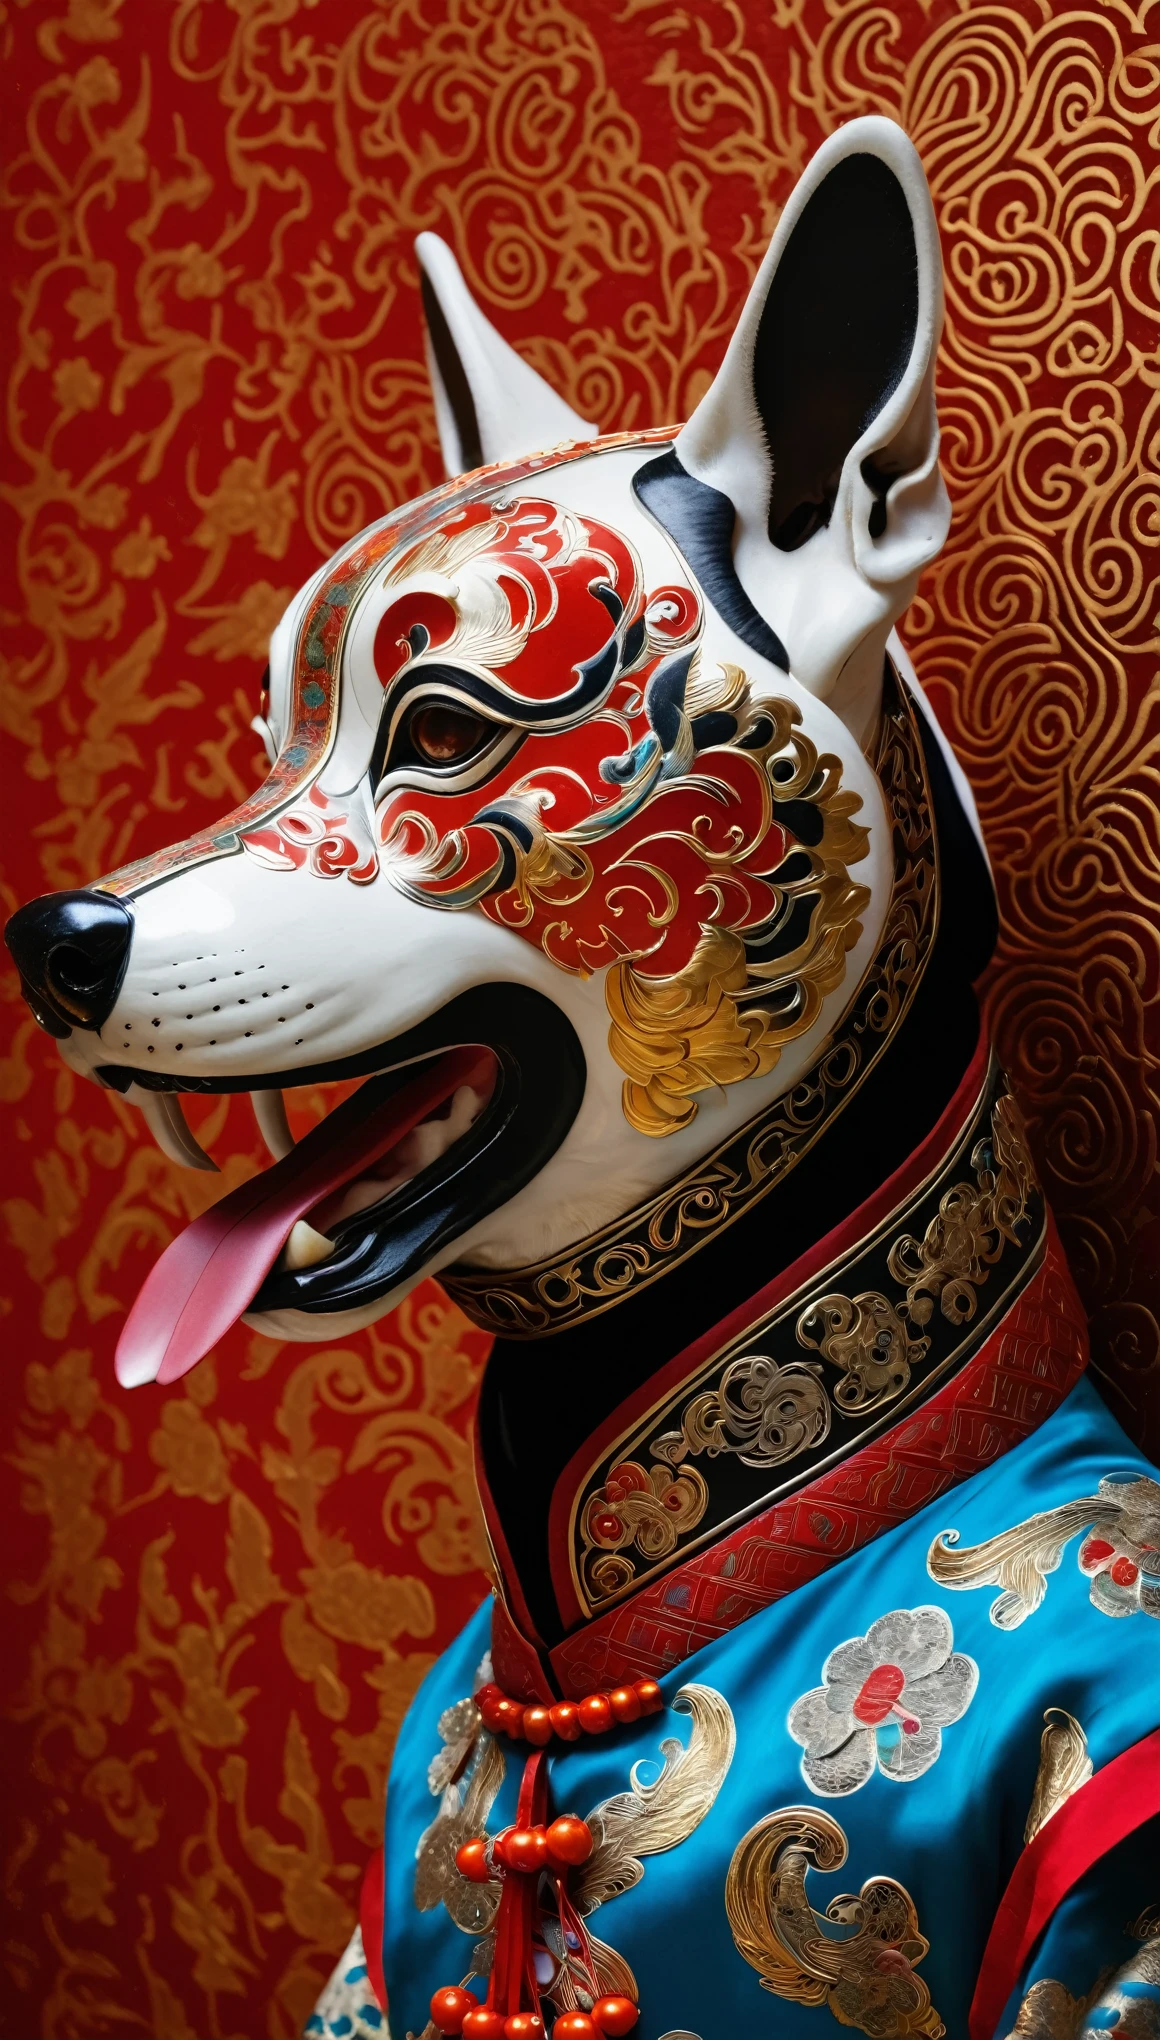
<point x="885" y="1699"/>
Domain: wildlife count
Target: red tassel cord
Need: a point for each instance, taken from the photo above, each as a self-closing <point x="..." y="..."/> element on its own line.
<point x="524" y="1856"/>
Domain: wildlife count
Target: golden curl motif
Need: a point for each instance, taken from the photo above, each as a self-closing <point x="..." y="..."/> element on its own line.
<point x="868" y="1337"/>
<point x="216" y="377"/>
<point x="762" y="1412"/>
<point x="726" y="1016"/>
<point x="641" y="1245"/>
<point x="1064" y="1765"/>
<point x="638" y="1509"/>
<point x="465" y="1777"/>
<point x="866" y="1978"/>
<point x="973" y="1224"/>
<point x="662" y="1811"/>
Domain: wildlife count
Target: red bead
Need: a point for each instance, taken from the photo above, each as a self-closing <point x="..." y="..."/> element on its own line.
<point x="471" y="1862"/>
<point x="511" y="1717"/>
<point x="524" y="2026"/>
<point x="489" y="1712"/>
<point x="484" y="2024"/>
<point x="614" y="2016"/>
<point x="625" y="1703"/>
<point x="1124" y="1572"/>
<point x="450" y="2007"/>
<point x="892" y="1962"/>
<point x="650" y="1696"/>
<point x="525" y="1849"/>
<point x="538" y="1725"/>
<point x="595" y="1713"/>
<point x="566" y="1720"/>
<point x="569" y="1840"/>
<point x="575" y="2026"/>
<point x="489" y="1692"/>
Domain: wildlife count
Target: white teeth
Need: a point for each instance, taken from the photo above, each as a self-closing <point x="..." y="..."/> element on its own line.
<point x="166" y="1122"/>
<point x="270" y="1113"/>
<point x="305" y="1246"/>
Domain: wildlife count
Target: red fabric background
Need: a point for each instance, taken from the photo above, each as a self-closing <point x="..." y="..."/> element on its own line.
<point x="222" y="1595"/>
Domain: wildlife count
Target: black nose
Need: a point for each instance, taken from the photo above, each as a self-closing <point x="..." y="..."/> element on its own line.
<point x="71" y="949"/>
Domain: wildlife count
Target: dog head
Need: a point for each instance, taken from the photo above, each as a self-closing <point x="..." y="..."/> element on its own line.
<point x="570" y="847"/>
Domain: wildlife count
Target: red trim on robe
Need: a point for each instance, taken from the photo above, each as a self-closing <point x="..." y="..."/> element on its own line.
<point x="1025" y="1367"/>
<point x="516" y="1666"/>
<point x="1112" y="1804"/>
<point x="842" y="1239"/>
<point x="1021" y="1373"/>
<point x="370" y="1919"/>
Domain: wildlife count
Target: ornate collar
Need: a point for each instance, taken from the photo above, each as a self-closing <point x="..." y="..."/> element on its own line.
<point x="924" y="1335"/>
<point x="646" y="1243"/>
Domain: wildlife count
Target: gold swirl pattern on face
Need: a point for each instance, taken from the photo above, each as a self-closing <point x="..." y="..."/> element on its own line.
<point x="217" y="377"/>
<point x="708" y="1025"/>
<point x="635" y="1249"/>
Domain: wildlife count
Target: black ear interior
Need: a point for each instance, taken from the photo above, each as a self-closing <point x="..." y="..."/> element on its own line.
<point x="455" y="380"/>
<point x="835" y="337"/>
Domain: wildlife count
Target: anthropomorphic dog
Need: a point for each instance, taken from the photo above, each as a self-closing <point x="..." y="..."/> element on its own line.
<point x="608" y="838"/>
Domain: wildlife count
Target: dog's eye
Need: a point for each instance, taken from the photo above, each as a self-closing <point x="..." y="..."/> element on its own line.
<point x="443" y="735"/>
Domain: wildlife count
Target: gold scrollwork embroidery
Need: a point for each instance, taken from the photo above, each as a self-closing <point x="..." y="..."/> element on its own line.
<point x="867" y="1977"/>
<point x="1123" y="2000"/>
<point x="760" y="1411"/>
<point x="973" y="1224"/>
<point x="1049" y="2011"/>
<point x="646" y="1510"/>
<point x="876" y="1342"/>
<point x="765" y="1412"/>
<point x="867" y="1339"/>
<point x="1118" y="1555"/>
<point x="651" y="1817"/>
<point x="643" y="1821"/>
<point x="465" y="1776"/>
<point x="1064" y="1765"/>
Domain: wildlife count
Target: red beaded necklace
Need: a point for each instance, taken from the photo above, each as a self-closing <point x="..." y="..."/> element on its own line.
<point x="520" y="1858"/>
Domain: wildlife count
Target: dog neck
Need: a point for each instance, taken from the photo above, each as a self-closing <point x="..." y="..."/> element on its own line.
<point x="544" y="1396"/>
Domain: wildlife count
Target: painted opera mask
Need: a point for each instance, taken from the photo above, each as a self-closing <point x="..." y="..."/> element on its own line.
<point x="580" y="841"/>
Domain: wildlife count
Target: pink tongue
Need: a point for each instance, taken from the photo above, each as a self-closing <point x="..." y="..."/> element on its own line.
<point x="208" y="1275"/>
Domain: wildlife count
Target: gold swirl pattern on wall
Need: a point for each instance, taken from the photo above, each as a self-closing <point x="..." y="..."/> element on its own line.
<point x="225" y="1595"/>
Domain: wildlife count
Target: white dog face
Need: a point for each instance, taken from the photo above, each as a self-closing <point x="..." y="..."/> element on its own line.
<point x="570" y="844"/>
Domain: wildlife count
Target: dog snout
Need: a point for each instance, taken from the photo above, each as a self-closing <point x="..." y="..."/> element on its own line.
<point x="71" y="949"/>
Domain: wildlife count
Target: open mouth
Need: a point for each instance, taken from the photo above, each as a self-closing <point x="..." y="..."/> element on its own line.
<point x="458" y="1115"/>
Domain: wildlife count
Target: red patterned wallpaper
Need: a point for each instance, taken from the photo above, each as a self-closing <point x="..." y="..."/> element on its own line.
<point x="222" y="1595"/>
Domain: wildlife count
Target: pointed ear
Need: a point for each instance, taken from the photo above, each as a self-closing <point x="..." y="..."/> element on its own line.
<point x="820" y="426"/>
<point x="489" y="405"/>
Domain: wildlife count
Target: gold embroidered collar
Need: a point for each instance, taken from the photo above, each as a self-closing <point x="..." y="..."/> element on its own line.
<point x="857" y="1345"/>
